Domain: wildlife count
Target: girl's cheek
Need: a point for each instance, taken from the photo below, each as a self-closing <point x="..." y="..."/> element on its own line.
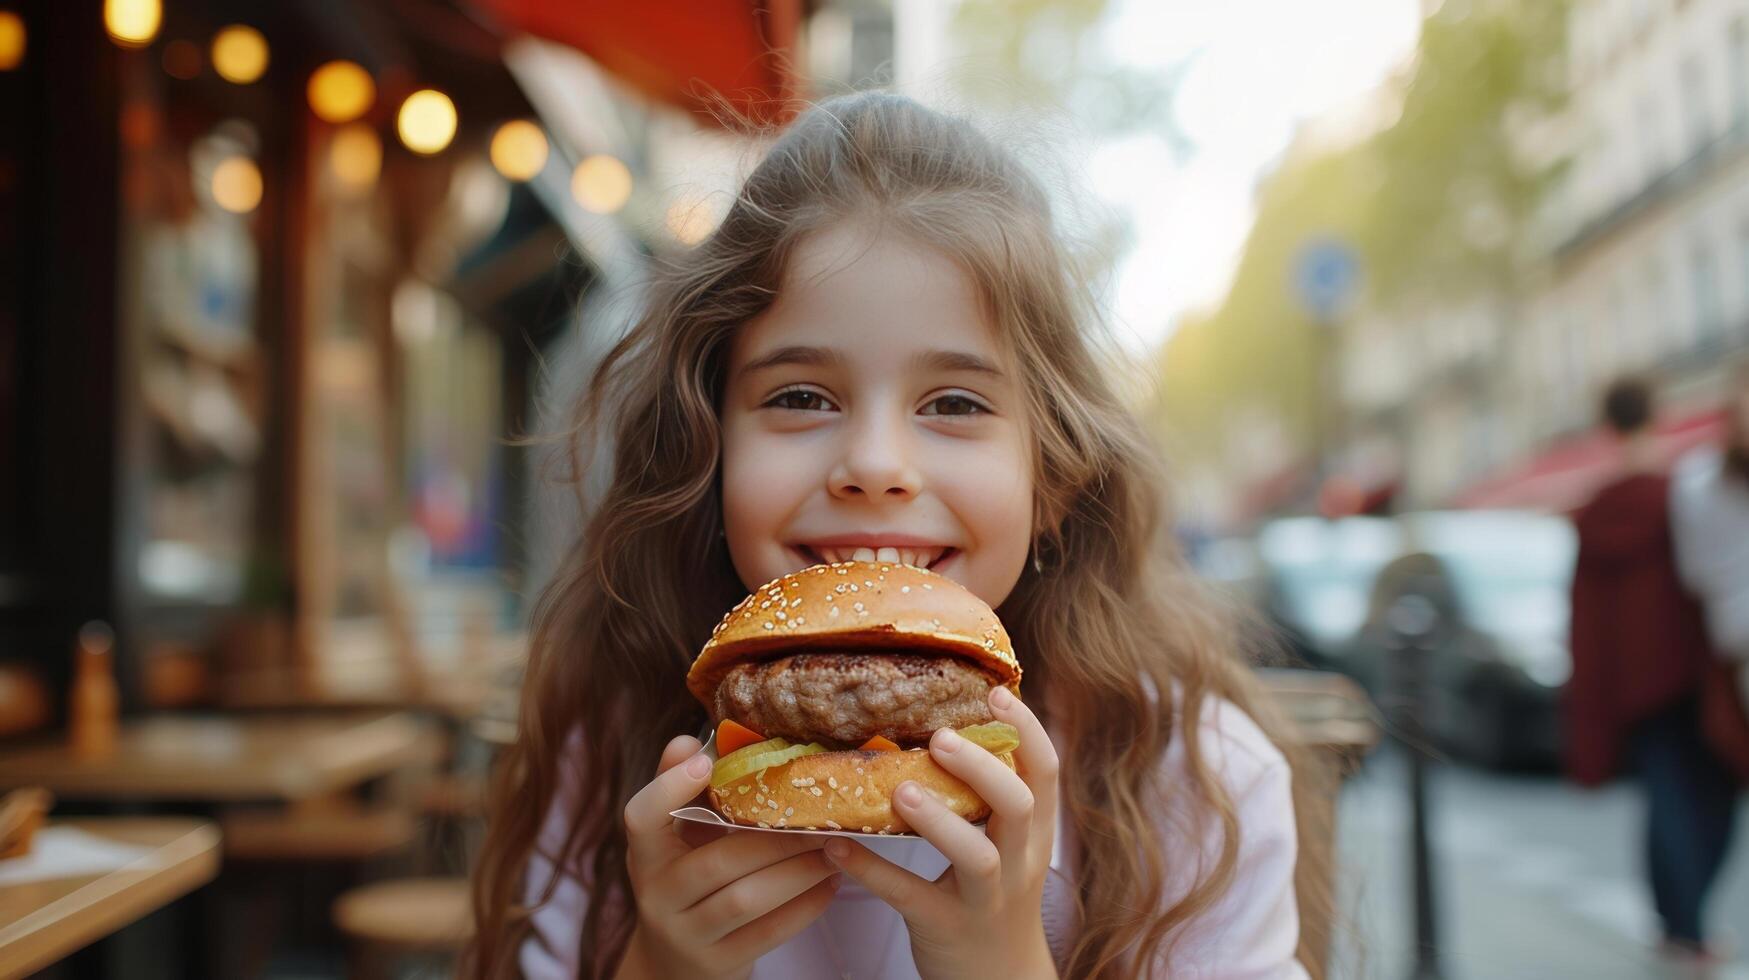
<point x="763" y="474"/>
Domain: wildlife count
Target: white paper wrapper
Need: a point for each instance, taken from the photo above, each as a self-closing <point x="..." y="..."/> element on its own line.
<point x="898" y="848"/>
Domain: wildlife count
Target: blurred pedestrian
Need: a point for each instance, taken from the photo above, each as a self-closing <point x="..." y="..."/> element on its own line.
<point x="1640" y="655"/>
<point x="1710" y="511"/>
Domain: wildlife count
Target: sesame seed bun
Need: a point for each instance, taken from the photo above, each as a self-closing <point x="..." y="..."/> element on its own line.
<point x="856" y="605"/>
<point x="867" y="607"/>
<point x="850" y="791"/>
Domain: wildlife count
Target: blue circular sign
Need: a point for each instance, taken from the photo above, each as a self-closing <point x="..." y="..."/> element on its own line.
<point x="1326" y="273"/>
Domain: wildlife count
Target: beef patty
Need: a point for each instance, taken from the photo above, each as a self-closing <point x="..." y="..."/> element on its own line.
<point x="847" y="698"/>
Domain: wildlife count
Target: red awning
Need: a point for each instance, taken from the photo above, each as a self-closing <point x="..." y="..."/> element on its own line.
<point x="696" y="54"/>
<point x="1564" y="476"/>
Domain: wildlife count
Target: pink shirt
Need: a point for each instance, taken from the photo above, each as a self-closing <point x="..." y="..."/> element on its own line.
<point x="1251" y="933"/>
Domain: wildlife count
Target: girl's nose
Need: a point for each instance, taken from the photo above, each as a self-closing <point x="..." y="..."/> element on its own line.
<point x="876" y="463"/>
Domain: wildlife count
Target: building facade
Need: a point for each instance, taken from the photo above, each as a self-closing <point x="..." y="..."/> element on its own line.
<point x="1638" y="264"/>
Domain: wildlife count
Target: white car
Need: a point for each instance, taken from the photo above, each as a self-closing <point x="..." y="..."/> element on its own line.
<point x="1493" y="689"/>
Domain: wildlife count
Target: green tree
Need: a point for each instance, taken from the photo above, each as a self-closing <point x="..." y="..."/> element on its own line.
<point x="1436" y="205"/>
<point x="1458" y="180"/>
<point x="1022" y="54"/>
<point x="1259" y="348"/>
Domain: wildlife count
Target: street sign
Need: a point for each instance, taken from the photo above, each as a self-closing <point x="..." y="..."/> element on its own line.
<point x="1325" y="275"/>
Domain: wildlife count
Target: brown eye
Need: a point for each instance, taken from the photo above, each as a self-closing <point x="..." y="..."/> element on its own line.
<point x="953" y="405"/>
<point x="801" y="400"/>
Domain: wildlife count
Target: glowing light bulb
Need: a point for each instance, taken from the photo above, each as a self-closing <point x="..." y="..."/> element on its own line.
<point x="341" y="91"/>
<point x="426" y="121"/>
<point x="519" y="149"/>
<point x="239" y="54"/>
<point x="11" y="40"/>
<point x="601" y="184"/>
<point x="237" y="184"/>
<point x="132" y="23"/>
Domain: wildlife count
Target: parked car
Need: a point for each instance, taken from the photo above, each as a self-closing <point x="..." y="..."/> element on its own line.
<point x="1493" y="688"/>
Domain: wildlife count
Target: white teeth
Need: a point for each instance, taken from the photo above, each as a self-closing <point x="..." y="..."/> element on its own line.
<point x="916" y="557"/>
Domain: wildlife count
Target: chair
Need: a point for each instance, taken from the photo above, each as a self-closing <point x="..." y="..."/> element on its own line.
<point x="403" y="917"/>
<point x="343" y="832"/>
<point x="1331" y="719"/>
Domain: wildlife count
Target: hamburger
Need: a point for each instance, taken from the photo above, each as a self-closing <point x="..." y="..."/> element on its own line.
<point x="825" y="686"/>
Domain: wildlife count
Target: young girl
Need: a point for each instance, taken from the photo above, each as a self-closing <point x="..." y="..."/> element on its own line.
<point x="881" y="354"/>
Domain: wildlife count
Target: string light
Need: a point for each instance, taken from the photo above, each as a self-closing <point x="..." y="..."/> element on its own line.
<point x="690" y="222"/>
<point x="132" y="23"/>
<point x="239" y="54"/>
<point x="601" y="184"/>
<point x="11" y="40"/>
<point x="426" y="121"/>
<point x="519" y="149"/>
<point x="341" y="91"/>
<point x="237" y="184"/>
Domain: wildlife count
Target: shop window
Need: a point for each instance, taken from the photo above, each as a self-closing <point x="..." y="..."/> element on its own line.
<point x="192" y="188"/>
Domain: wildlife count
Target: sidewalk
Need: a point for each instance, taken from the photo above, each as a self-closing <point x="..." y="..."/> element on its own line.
<point x="1535" y="879"/>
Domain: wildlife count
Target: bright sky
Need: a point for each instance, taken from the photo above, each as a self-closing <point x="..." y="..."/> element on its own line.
<point x="1262" y="67"/>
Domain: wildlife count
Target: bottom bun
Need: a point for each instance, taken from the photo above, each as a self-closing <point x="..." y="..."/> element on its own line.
<point x="843" y="791"/>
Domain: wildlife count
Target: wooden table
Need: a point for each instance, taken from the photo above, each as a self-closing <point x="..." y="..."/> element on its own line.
<point x="43" y="921"/>
<point x="1324" y="711"/>
<point x="451" y="697"/>
<point x="224" y="758"/>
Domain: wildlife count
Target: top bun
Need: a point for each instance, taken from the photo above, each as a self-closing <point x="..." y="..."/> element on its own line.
<point x="856" y="605"/>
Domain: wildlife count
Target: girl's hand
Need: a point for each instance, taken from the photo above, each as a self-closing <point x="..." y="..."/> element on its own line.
<point x="981" y="917"/>
<point x="710" y="910"/>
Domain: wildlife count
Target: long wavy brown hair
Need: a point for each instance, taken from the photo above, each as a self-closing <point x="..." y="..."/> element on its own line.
<point x="1108" y="617"/>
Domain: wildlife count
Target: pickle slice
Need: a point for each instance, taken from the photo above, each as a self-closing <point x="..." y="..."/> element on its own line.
<point x="995" y="736"/>
<point x="760" y="755"/>
<point x="748" y="751"/>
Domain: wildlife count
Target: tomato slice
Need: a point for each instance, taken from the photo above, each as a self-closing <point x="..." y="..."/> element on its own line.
<point x="879" y="744"/>
<point x="732" y="735"/>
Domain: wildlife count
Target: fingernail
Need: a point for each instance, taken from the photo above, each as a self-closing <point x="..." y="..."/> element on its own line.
<point x="837" y="850"/>
<point x="1000" y="698"/>
<point x="948" y="740"/>
<point x="909" y="794"/>
<point x="699" y="766"/>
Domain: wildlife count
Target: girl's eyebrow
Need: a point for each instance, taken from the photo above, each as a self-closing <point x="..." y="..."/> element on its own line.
<point x="929" y="360"/>
<point x="793" y="354"/>
<point x="954" y="360"/>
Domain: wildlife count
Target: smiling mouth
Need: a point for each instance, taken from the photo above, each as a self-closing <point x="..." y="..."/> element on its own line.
<point x="918" y="557"/>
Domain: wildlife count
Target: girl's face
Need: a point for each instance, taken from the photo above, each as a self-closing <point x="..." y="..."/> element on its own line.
<point x="870" y="413"/>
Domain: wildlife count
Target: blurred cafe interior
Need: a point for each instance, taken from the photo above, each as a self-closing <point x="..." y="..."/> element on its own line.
<point x="286" y="288"/>
<point x="292" y="297"/>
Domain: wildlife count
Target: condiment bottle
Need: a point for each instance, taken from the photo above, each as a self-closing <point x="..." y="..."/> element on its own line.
<point x="93" y="705"/>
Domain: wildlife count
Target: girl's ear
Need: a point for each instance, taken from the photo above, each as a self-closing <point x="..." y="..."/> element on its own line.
<point x="1045" y="535"/>
<point x="1047" y="521"/>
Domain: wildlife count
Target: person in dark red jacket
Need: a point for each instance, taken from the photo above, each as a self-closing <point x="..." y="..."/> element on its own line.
<point x="1640" y="652"/>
